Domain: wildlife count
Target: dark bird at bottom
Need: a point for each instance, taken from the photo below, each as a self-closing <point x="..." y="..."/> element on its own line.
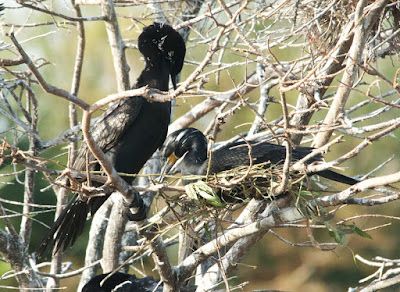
<point x="188" y="148"/>
<point x="121" y="282"/>
<point x="128" y="132"/>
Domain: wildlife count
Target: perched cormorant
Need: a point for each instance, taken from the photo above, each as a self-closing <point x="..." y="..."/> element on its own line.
<point x="128" y="132"/>
<point x="190" y="146"/>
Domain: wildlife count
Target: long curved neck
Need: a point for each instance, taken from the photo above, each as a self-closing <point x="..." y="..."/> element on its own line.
<point x="155" y="75"/>
<point x="196" y="161"/>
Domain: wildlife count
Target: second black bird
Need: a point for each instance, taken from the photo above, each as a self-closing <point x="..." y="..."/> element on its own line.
<point x="190" y="146"/>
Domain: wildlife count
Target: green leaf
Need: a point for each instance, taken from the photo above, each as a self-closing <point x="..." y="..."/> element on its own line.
<point x="207" y="231"/>
<point x="191" y="192"/>
<point x="201" y="189"/>
<point x="338" y="236"/>
<point x="361" y="233"/>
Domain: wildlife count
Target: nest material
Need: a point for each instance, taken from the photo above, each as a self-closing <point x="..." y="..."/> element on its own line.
<point x="241" y="184"/>
<point x="322" y="20"/>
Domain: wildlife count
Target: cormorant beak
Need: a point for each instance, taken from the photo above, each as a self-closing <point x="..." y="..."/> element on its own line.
<point x="172" y="164"/>
<point x="169" y="164"/>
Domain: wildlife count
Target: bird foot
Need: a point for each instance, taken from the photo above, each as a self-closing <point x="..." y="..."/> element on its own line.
<point x="136" y="209"/>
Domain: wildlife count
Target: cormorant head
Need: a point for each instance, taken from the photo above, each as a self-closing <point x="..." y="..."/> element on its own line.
<point x="162" y="41"/>
<point x="186" y="143"/>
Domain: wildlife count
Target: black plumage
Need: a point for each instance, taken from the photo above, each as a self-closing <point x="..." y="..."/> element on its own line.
<point x="122" y="282"/>
<point x="129" y="132"/>
<point x="190" y="146"/>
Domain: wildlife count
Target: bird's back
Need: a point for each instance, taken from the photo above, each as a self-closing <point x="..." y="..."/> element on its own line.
<point x="140" y="141"/>
<point x="239" y="153"/>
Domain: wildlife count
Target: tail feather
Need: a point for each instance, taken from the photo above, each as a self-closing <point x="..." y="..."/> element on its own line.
<point x="330" y="174"/>
<point x="68" y="226"/>
<point x="80" y="216"/>
<point x="72" y="226"/>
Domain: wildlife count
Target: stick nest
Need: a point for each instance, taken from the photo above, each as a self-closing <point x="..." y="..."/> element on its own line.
<point x="241" y="184"/>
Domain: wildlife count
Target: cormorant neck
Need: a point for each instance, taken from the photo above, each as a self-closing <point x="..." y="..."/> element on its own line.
<point x="193" y="162"/>
<point x="155" y="75"/>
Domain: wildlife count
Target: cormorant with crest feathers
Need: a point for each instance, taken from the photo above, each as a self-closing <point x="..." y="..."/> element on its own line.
<point x="128" y="132"/>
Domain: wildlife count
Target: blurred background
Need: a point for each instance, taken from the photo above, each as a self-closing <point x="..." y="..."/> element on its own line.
<point x="272" y="264"/>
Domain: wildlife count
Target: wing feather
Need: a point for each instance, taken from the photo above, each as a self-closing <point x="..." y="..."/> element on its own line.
<point x="110" y="126"/>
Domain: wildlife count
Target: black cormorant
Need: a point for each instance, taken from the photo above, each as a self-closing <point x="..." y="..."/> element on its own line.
<point x="189" y="146"/>
<point x="124" y="282"/>
<point x="128" y="132"/>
